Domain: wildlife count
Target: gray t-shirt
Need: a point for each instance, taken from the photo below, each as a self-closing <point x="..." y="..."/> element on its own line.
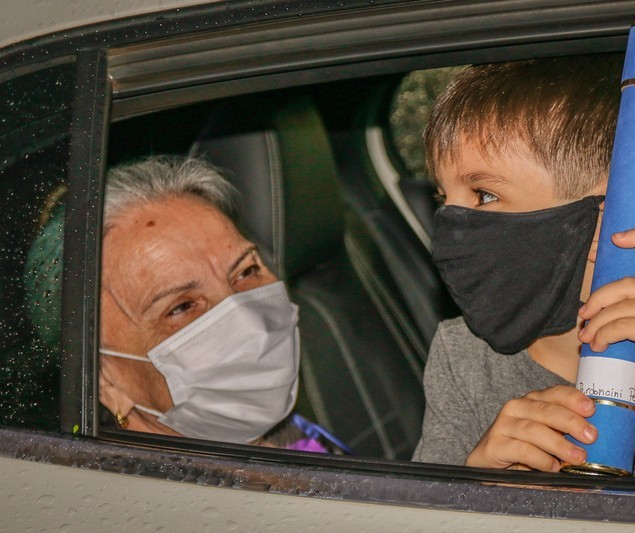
<point x="466" y="383"/>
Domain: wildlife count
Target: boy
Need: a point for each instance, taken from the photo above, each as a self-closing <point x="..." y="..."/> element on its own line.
<point x="520" y="155"/>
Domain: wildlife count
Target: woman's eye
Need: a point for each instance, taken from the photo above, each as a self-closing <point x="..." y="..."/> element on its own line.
<point x="485" y="197"/>
<point x="251" y="270"/>
<point x="180" y="309"/>
<point x="248" y="272"/>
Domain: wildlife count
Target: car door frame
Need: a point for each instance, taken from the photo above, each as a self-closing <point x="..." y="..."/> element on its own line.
<point x="84" y="445"/>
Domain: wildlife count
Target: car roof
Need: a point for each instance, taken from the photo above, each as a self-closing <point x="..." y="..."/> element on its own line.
<point x="26" y="19"/>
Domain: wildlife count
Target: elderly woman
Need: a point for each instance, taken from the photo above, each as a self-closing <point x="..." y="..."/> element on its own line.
<point x="198" y="337"/>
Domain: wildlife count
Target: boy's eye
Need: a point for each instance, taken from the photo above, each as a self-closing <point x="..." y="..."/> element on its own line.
<point x="485" y="197"/>
<point x="439" y="198"/>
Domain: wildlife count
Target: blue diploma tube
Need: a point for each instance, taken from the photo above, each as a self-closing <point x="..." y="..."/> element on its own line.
<point x="609" y="377"/>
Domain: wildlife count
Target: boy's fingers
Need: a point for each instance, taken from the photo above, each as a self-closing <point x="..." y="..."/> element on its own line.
<point x="532" y="442"/>
<point x="609" y="294"/>
<point x="546" y="433"/>
<point x="537" y="447"/>
<point x="543" y="424"/>
<point x="535" y="424"/>
<point x="497" y="451"/>
<point x="624" y="239"/>
<point x="530" y="431"/>
<point x="619" y="329"/>
<point x="566" y="396"/>
<point x="514" y="452"/>
<point x="624" y="308"/>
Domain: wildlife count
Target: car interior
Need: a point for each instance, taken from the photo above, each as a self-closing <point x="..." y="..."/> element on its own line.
<point x="310" y="164"/>
<point x="334" y="192"/>
<point x="369" y="295"/>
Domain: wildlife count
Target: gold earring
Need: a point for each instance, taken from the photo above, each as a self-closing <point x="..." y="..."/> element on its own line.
<point x="122" y="421"/>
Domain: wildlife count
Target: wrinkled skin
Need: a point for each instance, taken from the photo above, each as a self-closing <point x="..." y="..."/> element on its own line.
<point x="165" y="263"/>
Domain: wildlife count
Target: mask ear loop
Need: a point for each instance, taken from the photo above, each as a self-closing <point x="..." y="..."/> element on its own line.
<point x="149" y="411"/>
<point x="125" y="355"/>
<point x="122" y="420"/>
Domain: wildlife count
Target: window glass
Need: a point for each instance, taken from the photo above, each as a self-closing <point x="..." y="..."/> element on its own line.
<point x="35" y="117"/>
<point x="410" y="111"/>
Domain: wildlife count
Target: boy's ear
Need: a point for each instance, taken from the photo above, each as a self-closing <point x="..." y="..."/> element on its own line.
<point x="598" y="190"/>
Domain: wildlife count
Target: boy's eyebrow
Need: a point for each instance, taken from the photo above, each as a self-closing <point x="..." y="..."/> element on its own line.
<point x="477" y="177"/>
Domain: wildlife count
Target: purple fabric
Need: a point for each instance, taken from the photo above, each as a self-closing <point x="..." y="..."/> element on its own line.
<point x="307" y="445"/>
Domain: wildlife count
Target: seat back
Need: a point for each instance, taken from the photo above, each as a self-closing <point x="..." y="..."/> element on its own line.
<point x="362" y="357"/>
<point x="362" y="150"/>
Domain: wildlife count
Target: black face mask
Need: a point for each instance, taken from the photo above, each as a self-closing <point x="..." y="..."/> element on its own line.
<point x="515" y="276"/>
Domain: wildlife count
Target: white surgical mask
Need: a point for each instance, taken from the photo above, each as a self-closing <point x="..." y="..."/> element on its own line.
<point x="233" y="372"/>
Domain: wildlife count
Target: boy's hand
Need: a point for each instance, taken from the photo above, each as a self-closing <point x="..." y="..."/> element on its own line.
<point x="529" y="432"/>
<point x="610" y="311"/>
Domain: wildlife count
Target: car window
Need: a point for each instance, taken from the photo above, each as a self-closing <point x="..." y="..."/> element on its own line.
<point x="409" y="114"/>
<point x="35" y="116"/>
<point x="290" y="169"/>
<point x="323" y="208"/>
<point x="302" y="182"/>
<point x="409" y="185"/>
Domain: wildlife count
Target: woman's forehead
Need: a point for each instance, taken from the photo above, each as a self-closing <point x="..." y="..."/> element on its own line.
<point x="181" y="230"/>
<point x="181" y="216"/>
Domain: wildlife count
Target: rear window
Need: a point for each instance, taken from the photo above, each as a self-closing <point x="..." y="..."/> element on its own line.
<point x="35" y="106"/>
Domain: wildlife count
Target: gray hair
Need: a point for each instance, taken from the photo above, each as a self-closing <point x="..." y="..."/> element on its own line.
<point x="159" y="177"/>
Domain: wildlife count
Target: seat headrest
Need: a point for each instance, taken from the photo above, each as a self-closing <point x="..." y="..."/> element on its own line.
<point x="279" y="157"/>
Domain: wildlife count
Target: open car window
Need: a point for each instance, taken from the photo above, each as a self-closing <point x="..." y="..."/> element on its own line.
<point x="406" y="178"/>
<point x="312" y="201"/>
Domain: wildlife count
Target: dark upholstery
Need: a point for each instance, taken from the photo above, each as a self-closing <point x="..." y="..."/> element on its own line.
<point x="290" y="201"/>
<point x="362" y="358"/>
<point x="409" y="262"/>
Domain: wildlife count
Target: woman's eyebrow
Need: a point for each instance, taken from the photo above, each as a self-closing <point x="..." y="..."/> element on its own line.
<point x="172" y="290"/>
<point x="239" y="259"/>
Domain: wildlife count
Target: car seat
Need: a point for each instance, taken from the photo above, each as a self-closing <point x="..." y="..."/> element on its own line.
<point x="362" y="356"/>
<point x="360" y="157"/>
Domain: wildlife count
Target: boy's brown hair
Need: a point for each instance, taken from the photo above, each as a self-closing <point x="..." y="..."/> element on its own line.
<point x="564" y="110"/>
